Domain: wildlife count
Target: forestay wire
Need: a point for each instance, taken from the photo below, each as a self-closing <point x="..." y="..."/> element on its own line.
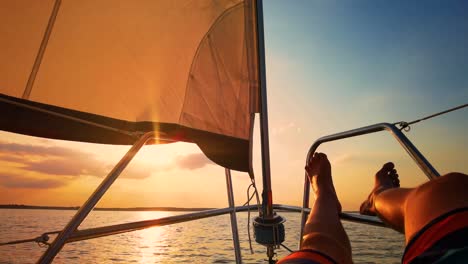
<point x="406" y="125"/>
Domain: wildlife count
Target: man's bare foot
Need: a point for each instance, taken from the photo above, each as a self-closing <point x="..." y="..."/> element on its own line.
<point x="385" y="178"/>
<point x="319" y="171"/>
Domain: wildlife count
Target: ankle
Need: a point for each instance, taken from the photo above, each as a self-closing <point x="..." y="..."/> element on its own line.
<point x="329" y="198"/>
<point x="326" y="193"/>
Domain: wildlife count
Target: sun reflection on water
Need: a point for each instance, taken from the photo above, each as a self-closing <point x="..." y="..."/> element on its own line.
<point x="153" y="242"/>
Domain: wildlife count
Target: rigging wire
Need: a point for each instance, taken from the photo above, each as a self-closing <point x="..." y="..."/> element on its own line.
<point x="406" y="125"/>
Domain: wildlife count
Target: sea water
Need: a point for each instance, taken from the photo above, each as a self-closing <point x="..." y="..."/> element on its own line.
<point x="202" y="241"/>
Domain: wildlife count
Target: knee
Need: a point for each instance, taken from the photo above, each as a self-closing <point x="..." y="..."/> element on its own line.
<point x="447" y="181"/>
<point x="339" y="250"/>
<point x="449" y="187"/>
<point x="455" y="177"/>
<point x="451" y="181"/>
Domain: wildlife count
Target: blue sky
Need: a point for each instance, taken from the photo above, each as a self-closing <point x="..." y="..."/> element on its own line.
<point x="339" y="65"/>
<point x="413" y="54"/>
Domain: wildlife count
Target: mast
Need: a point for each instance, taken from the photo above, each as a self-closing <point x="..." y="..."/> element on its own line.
<point x="268" y="219"/>
<point x="265" y="144"/>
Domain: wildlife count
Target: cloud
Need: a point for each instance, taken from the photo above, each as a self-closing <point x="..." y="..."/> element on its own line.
<point x="286" y="128"/>
<point x="16" y="181"/>
<point x="62" y="161"/>
<point x="137" y="171"/>
<point x="59" y="165"/>
<point x="55" y="167"/>
<point x="14" y="159"/>
<point x="192" y="161"/>
<point x="27" y="149"/>
<point x="343" y="158"/>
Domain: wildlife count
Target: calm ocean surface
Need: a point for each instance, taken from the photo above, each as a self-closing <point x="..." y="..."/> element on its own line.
<point x="202" y="241"/>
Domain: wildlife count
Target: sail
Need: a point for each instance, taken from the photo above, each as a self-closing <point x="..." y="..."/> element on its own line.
<point x="107" y="71"/>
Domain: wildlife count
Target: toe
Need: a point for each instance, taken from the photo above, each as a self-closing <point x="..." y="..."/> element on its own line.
<point x="317" y="158"/>
<point x="321" y="155"/>
<point x="311" y="165"/>
<point x="312" y="159"/>
<point x="387" y="167"/>
<point x="395" y="179"/>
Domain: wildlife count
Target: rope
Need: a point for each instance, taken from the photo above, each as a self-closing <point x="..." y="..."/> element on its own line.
<point x="406" y="125"/>
<point x="40" y="240"/>
<point x="14" y="242"/>
<point x="252" y="179"/>
<point x="288" y="249"/>
<point x="249" y="198"/>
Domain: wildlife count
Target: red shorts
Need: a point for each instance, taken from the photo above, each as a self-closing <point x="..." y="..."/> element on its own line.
<point x="447" y="234"/>
<point x="308" y="256"/>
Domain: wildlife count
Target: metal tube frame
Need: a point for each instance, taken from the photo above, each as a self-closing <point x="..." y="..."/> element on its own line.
<point x="414" y="153"/>
<point x="96" y="232"/>
<point x="84" y="210"/>
<point x="235" y="233"/>
<point x="71" y="233"/>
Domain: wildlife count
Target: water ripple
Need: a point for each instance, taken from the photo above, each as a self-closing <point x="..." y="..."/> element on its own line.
<point x="201" y="241"/>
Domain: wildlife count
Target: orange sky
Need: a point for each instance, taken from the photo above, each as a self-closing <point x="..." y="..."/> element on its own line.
<point x="325" y="77"/>
<point x="46" y="172"/>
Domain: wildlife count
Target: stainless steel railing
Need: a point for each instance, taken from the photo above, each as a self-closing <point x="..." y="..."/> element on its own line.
<point x="84" y="210"/>
<point x="71" y="233"/>
<point x="103" y="231"/>
<point x="414" y="153"/>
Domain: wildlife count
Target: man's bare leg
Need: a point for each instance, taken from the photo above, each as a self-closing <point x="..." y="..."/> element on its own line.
<point x="408" y="210"/>
<point x="323" y="230"/>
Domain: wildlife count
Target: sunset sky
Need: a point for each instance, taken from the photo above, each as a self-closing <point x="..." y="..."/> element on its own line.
<point x="330" y="67"/>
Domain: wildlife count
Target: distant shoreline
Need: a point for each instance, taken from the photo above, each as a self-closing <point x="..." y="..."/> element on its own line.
<point x="172" y="209"/>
